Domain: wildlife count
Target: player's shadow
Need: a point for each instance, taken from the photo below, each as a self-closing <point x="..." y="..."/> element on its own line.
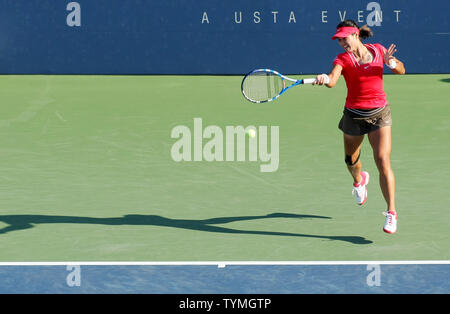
<point x="445" y="80"/>
<point x="21" y="222"/>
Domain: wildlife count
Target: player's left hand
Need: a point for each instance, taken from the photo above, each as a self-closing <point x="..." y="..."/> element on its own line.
<point x="388" y="54"/>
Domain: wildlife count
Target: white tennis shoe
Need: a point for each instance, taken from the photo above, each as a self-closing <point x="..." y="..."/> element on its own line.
<point x="360" y="189"/>
<point x="390" y="224"/>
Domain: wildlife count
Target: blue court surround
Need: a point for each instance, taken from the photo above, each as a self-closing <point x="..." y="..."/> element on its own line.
<point x="232" y="279"/>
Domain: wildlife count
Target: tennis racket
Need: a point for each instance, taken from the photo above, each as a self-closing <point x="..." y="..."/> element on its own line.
<point x="263" y="85"/>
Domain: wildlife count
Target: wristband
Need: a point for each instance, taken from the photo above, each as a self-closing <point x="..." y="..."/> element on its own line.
<point x="392" y="64"/>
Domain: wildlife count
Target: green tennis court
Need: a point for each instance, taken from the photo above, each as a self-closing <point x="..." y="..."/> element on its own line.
<point x="87" y="173"/>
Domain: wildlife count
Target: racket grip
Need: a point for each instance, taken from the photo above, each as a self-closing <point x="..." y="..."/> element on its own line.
<point x="312" y="80"/>
<point x="309" y="80"/>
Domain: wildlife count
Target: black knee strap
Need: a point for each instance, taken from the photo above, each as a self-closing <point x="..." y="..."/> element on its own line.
<point x="348" y="160"/>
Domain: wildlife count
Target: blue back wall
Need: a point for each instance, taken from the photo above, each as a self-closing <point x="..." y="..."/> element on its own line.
<point x="210" y="36"/>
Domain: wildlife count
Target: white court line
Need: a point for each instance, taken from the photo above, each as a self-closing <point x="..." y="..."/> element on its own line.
<point x="222" y="264"/>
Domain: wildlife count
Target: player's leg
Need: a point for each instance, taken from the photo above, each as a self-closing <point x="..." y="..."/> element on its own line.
<point x="352" y="147"/>
<point x="381" y="142"/>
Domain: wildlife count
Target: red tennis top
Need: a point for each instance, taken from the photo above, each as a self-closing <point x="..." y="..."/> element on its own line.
<point x="364" y="81"/>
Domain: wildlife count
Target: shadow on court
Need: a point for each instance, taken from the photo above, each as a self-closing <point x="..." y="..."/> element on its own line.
<point x="21" y="222"/>
<point x="446" y="80"/>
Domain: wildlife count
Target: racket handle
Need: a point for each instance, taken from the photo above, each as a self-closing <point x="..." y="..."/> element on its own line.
<point x="312" y="80"/>
<point x="309" y="80"/>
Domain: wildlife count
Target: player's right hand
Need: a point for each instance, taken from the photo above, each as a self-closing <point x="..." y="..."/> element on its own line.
<point x="322" y="79"/>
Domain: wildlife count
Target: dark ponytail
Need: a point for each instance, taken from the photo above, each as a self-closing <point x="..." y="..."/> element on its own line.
<point x="364" y="31"/>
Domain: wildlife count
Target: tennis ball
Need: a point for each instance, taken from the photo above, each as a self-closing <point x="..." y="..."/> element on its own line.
<point x="251" y="133"/>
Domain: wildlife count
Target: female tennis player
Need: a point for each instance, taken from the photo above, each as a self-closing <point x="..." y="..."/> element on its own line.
<point x="366" y="109"/>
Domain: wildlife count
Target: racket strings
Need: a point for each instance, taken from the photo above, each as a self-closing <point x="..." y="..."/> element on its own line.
<point x="261" y="86"/>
